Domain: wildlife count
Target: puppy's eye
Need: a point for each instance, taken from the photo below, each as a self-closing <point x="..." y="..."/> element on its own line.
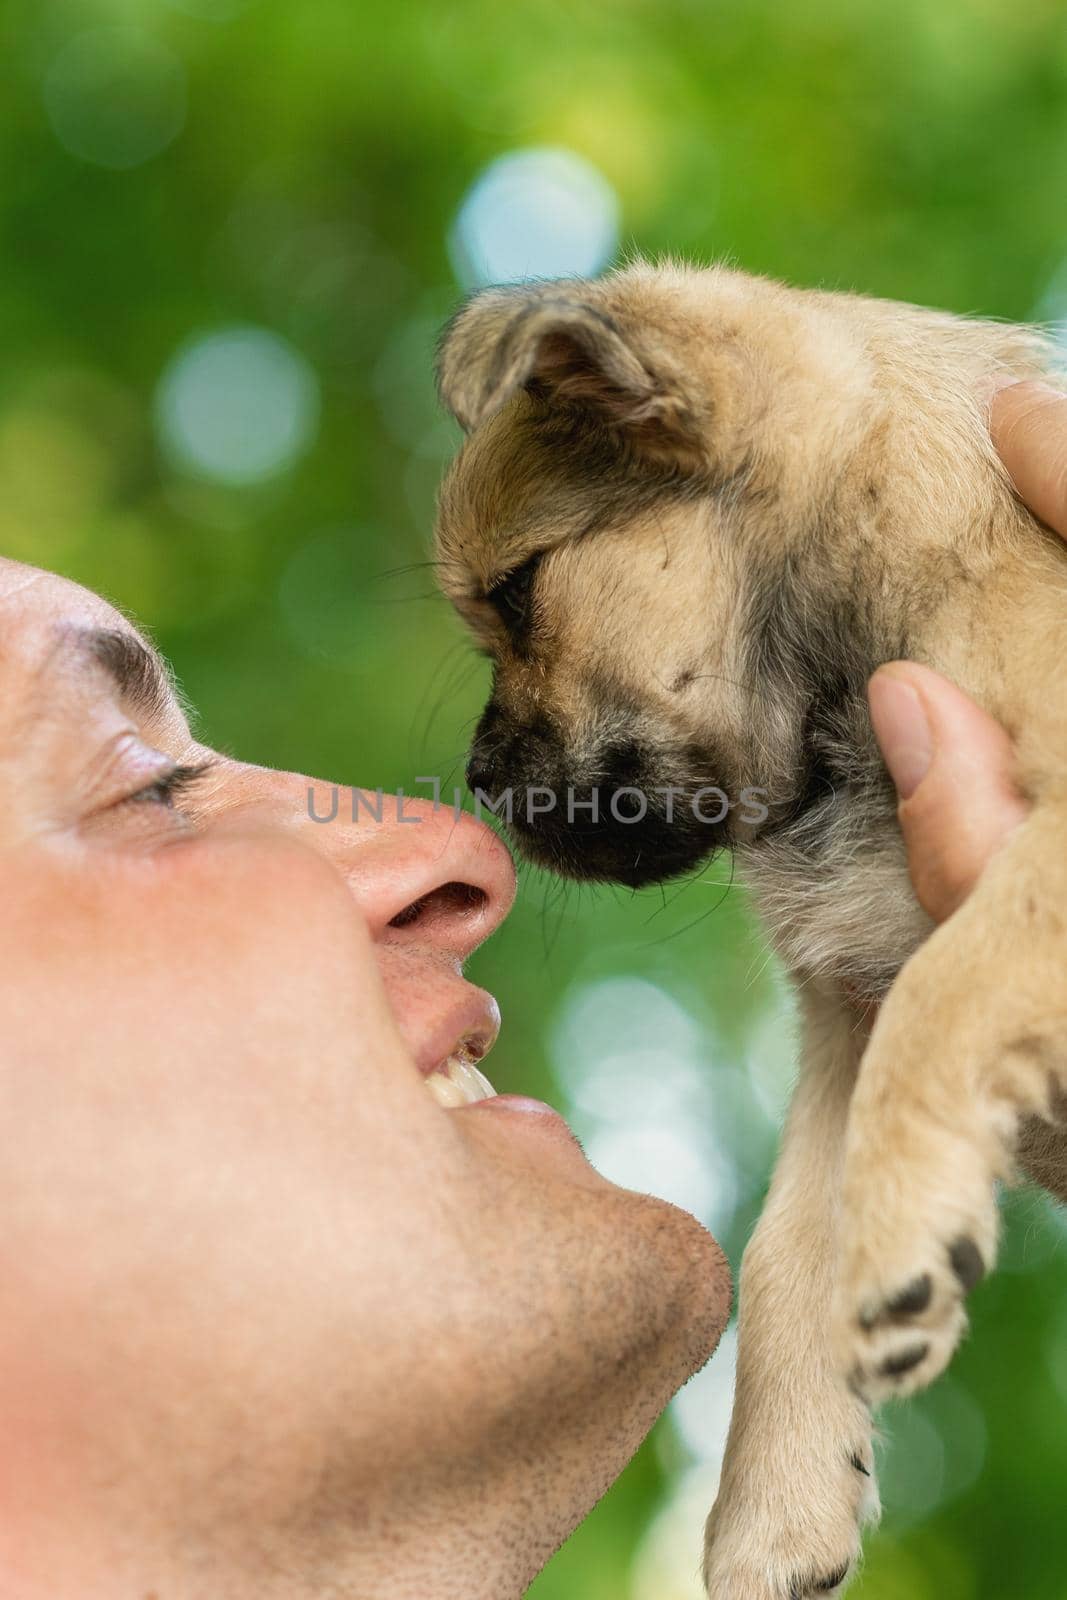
<point x="512" y="595"/>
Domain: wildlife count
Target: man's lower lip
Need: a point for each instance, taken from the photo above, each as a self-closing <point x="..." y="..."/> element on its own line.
<point x="537" y="1130"/>
<point x="516" y="1102"/>
<point x="516" y="1108"/>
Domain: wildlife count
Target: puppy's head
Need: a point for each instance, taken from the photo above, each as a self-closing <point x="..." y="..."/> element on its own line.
<point x="675" y="529"/>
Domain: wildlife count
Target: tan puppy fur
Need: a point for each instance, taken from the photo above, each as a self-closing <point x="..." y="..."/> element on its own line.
<point x="694" y="512"/>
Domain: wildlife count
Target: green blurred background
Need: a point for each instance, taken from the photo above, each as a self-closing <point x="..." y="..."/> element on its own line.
<point x="230" y="231"/>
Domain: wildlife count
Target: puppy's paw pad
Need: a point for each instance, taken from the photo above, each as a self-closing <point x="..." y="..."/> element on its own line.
<point x="904" y="1361"/>
<point x="913" y="1299"/>
<point x="967" y="1262"/>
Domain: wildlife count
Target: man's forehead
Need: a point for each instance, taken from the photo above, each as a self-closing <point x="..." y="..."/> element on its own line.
<point x="29" y="595"/>
<point x="49" y="625"/>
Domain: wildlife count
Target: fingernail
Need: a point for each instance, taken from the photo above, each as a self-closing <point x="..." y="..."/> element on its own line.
<point x="902" y="729"/>
<point x="1033" y="386"/>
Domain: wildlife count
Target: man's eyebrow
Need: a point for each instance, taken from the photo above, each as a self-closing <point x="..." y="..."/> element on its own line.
<point x="136" y="671"/>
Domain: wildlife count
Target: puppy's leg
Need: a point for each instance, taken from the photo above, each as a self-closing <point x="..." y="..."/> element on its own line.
<point x="970" y="1045"/>
<point x="798" y="1475"/>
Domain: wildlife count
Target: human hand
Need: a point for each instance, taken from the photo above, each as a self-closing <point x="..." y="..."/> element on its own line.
<point x="953" y="765"/>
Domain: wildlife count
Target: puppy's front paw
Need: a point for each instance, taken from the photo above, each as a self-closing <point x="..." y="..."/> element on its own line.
<point x="789" y="1529"/>
<point x="919" y="1231"/>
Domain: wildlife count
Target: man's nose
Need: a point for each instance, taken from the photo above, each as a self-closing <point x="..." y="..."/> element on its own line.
<point x="420" y="873"/>
<point x="430" y="875"/>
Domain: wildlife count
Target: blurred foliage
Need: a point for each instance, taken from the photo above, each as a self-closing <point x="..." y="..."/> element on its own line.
<point x="310" y="163"/>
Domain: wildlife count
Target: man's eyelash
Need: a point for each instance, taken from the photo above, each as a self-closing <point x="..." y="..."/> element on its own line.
<point x="167" y="788"/>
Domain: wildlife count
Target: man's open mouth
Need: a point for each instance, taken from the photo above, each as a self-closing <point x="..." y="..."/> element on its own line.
<point x="458" y="1081"/>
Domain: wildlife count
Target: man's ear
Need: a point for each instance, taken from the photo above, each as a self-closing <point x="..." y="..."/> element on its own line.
<point x="553" y="342"/>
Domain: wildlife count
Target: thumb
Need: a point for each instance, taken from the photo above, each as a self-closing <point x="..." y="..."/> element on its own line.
<point x="953" y="767"/>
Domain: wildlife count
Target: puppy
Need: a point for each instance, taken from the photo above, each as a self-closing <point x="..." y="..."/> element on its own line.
<point x="694" y="512"/>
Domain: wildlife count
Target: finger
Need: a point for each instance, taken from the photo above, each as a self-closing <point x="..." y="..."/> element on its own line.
<point x="1028" y="423"/>
<point x="953" y="766"/>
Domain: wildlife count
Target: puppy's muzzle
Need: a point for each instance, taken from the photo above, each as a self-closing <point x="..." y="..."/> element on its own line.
<point x="619" y="813"/>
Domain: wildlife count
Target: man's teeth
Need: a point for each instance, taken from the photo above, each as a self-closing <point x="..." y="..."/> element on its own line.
<point x="459" y="1083"/>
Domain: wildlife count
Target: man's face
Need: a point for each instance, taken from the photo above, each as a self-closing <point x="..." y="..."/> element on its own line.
<point x="274" y="1318"/>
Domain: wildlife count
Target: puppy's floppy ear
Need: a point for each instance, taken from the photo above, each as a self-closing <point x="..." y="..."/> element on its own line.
<point x="555" y="343"/>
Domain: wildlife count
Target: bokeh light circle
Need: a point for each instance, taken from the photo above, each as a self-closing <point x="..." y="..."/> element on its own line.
<point x="666" y="1563"/>
<point x="622" y="1041"/>
<point x="537" y="213"/>
<point x="115" y="97"/>
<point x="635" y="1066"/>
<point x="238" y="406"/>
<point x="701" y="1410"/>
<point x="667" y="1161"/>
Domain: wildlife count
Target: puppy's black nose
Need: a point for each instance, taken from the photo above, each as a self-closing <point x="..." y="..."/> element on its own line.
<point x="508" y="753"/>
<point x="483" y="763"/>
<point x="482" y="772"/>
